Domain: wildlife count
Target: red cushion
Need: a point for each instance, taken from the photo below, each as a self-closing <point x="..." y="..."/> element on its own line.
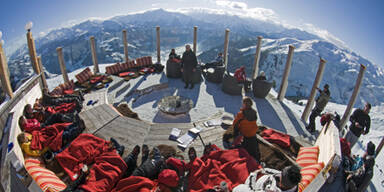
<point x="129" y="73"/>
<point x="307" y="156"/>
<point x="68" y="91"/>
<point x="308" y="174"/>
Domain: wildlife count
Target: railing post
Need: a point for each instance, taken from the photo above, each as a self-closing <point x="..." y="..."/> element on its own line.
<point x="284" y="80"/>
<point x="226" y="42"/>
<point x="158" y="43"/>
<point x="32" y="52"/>
<point x="316" y="83"/>
<point x="4" y="73"/>
<point x="125" y="41"/>
<point x="62" y="64"/>
<point x="43" y="78"/>
<point x="195" y="39"/>
<point x="352" y="100"/>
<point x="257" y="58"/>
<point x="379" y="147"/>
<point x="94" y="55"/>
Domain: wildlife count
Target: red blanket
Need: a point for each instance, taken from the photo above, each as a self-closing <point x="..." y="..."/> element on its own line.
<point x="88" y="149"/>
<point x="281" y="139"/>
<point x="139" y="184"/>
<point x="62" y="108"/>
<point x="31" y="125"/>
<point x="135" y="184"/>
<point x="232" y="166"/>
<point x="49" y="136"/>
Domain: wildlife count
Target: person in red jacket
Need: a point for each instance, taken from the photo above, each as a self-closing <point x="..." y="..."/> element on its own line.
<point x="245" y="123"/>
<point x="241" y="78"/>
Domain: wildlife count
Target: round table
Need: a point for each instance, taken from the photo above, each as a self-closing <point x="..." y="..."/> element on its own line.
<point x="175" y="105"/>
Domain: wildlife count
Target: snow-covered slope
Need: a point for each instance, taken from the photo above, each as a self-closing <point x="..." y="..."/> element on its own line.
<point x="176" y="30"/>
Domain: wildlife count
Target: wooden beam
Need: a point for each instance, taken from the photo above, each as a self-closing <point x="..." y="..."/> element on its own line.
<point x="32" y="52"/>
<point x="62" y="64"/>
<point x="352" y="100"/>
<point x="158" y="43"/>
<point x="43" y="78"/>
<point x="195" y="39"/>
<point x="125" y="41"/>
<point x="4" y="73"/>
<point x="316" y="83"/>
<point x="226" y="44"/>
<point x="379" y="147"/>
<point x="94" y="55"/>
<point x="257" y="58"/>
<point x="284" y="80"/>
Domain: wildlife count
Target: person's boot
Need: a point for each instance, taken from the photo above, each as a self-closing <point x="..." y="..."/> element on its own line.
<point x="144" y="153"/>
<point x="119" y="148"/>
<point x="192" y="85"/>
<point x="186" y="85"/>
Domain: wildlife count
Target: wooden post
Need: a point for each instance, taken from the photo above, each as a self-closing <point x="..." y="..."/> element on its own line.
<point x="352" y="100"/>
<point x="158" y="43"/>
<point x="316" y="83"/>
<point x="284" y="80"/>
<point x="257" y="58"/>
<point x="4" y="73"/>
<point x="43" y="78"/>
<point x="94" y="56"/>
<point x="195" y="39"/>
<point x="32" y="52"/>
<point x="378" y="149"/>
<point x="62" y="64"/>
<point x="226" y="42"/>
<point x="125" y="41"/>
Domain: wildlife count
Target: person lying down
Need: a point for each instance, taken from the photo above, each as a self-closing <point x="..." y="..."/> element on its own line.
<point x="271" y="180"/>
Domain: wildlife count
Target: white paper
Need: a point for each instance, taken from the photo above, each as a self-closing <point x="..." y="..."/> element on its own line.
<point x="213" y="122"/>
<point x="175" y="133"/>
<point x="196" y="130"/>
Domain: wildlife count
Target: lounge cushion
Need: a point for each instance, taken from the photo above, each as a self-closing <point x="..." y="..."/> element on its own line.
<point x="307" y="156"/>
<point x="45" y="178"/>
<point x="84" y="75"/>
<point x="308" y="174"/>
<point x="113" y="69"/>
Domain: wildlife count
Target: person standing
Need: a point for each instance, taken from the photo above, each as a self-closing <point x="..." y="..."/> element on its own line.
<point x="360" y="124"/>
<point x="321" y="102"/>
<point x="245" y="123"/>
<point x="189" y="64"/>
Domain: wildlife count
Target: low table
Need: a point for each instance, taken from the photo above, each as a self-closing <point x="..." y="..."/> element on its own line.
<point x="175" y="105"/>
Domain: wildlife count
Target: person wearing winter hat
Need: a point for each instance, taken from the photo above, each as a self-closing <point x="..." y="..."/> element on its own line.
<point x="321" y="102"/>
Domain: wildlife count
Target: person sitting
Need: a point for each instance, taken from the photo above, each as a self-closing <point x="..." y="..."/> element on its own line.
<point x="219" y="61"/>
<point x="54" y="136"/>
<point x="272" y="180"/>
<point x="50" y="100"/>
<point x="47" y="117"/>
<point x="174" y="57"/>
<point x="241" y="78"/>
<point x="359" y="179"/>
<point x="245" y="123"/>
<point x="24" y="140"/>
<point x="261" y="76"/>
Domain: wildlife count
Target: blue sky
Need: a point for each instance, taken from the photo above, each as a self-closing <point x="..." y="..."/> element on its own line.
<point x="359" y="24"/>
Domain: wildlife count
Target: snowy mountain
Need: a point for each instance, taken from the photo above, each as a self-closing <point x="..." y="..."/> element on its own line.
<point x="176" y="30"/>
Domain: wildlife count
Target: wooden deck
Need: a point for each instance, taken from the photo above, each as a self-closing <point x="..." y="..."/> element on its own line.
<point x="105" y="122"/>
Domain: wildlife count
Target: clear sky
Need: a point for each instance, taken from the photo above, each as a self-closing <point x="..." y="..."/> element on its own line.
<point x="359" y="24"/>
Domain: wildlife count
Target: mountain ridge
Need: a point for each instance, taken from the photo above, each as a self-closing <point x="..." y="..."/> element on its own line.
<point x="176" y="30"/>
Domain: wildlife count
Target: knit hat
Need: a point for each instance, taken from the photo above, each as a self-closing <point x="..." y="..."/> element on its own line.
<point x="169" y="178"/>
<point x="371" y="148"/>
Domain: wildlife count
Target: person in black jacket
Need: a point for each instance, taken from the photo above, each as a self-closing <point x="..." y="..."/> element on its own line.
<point x="189" y="64"/>
<point x="358" y="180"/>
<point x="360" y="124"/>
